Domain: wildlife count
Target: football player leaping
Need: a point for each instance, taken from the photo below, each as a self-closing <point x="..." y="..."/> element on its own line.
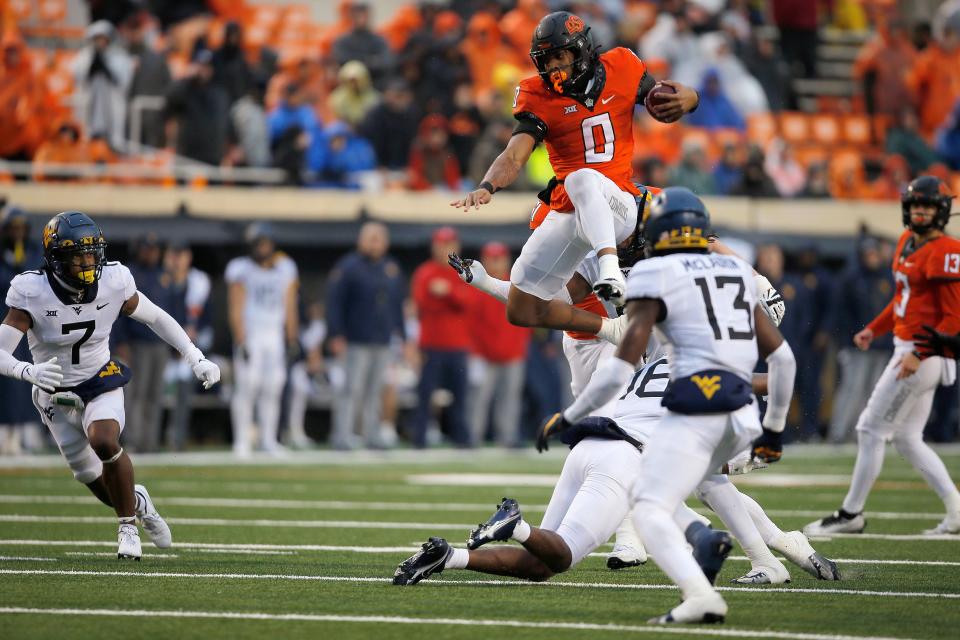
<point x="926" y="268"/>
<point x="581" y="106"/>
<point x="67" y="309"/>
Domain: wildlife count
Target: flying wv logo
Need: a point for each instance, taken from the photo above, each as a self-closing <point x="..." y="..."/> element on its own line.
<point x="111" y="370"/>
<point x="708" y="386"/>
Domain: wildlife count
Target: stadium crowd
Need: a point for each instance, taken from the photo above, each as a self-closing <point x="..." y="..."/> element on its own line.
<point x="423" y="100"/>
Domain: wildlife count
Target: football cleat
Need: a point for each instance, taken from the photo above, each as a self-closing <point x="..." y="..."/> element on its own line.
<point x="796" y="548"/>
<point x="628" y="551"/>
<point x="129" y="539"/>
<point x="836" y="523"/>
<point x="708" y="608"/>
<point x="949" y="525"/>
<point x="710" y="549"/>
<point x="773" y="574"/>
<point x="150" y="520"/>
<point x="499" y="527"/>
<point x="424" y="563"/>
<point x="611" y="289"/>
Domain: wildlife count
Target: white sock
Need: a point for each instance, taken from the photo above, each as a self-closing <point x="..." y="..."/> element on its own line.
<point x="865" y="471"/>
<point x="141" y="506"/>
<point x="718" y="493"/>
<point x="769" y="531"/>
<point x="521" y="532"/>
<point x="610" y="266"/>
<point x="660" y="534"/>
<point x="269" y="411"/>
<point x="457" y="560"/>
<point x="919" y="454"/>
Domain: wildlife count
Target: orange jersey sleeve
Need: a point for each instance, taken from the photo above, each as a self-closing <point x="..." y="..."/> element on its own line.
<point x="883" y="323"/>
<point x="594" y="134"/>
<point x="943" y="270"/>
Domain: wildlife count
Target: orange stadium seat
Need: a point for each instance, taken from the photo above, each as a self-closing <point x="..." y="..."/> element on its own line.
<point x="53" y="10"/>
<point x="794" y="127"/>
<point x="881" y="122"/>
<point x="22" y="9"/>
<point x="808" y="154"/>
<point x="825" y="129"/>
<point x="857" y="129"/>
<point x="761" y="128"/>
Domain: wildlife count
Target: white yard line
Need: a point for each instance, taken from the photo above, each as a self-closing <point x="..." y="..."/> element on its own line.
<point x="108" y="554"/>
<point x="825" y="591"/>
<point x="466" y="622"/>
<point x="26" y="559"/>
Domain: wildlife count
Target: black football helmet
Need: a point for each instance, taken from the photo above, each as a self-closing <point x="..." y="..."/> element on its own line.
<point x="677" y="222"/>
<point x="558" y="31"/>
<point x="927" y="190"/>
<point x="70" y="234"/>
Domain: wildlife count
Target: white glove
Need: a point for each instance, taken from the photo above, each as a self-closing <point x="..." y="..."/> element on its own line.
<point x="46" y="375"/>
<point x="770" y="299"/>
<point x="207" y="372"/>
<point x="743" y="463"/>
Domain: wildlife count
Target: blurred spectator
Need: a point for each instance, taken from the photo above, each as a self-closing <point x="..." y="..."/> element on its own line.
<point x="715" y="110"/>
<point x="501" y="349"/>
<point x="295" y="135"/>
<point x="364" y="311"/>
<point x="442" y="67"/>
<point x="103" y="72"/>
<point x="764" y="62"/>
<point x="443" y="306"/>
<point x="23" y="102"/>
<point x="346" y="156"/>
<point x="484" y="48"/>
<point x="18" y="253"/>
<point x="934" y="79"/>
<point x="64" y="147"/>
<point x="307" y="377"/>
<point x="893" y="179"/>
<point x="262" y="304"/>
<point x="672" y="39"/>
<point x="818" y="186"/>
<point x="230" y="68"/>
<point x="392" y="125"/>
<point x="755" y="182"/>
<point x="189" y="290"/>
<point x="465" y="125"/>
<point x="904" y="139"/>
<point x="692" y="171"/>
<point x="144" y="351"/>
<point x="947" y="139"/>
<point x="880" y="68"/>
<point x="355" y="96"/>
<point x="797" y="21"/>
<point x="151" y="77"/>
<point x="784" y="170"/>
<point x="741" y="88"/>
<point x="729" y="170"/>
<point x="518" y="24"/>
<point x="198" y="113"/>
<point x="362" y="44"/>
<point x="432" y="162"/>
<point x="491" y="144"/>
<point x="249" y="121"/>
<point x="316" y="79"/>
<point x="921" y="36"/>
<point x="862" y="291"/>
<point x="654" y="173"/>
<point x="543" y="390"/>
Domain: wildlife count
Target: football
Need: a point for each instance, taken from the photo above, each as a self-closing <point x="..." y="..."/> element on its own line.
<point x="655" y="97"/>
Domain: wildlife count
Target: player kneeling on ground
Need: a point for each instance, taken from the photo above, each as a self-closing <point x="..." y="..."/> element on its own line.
<point x="67" y="309"/>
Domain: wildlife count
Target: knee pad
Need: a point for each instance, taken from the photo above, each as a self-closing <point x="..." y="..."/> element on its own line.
<point x="85" y="464"/>
<point x="904" y="443"/>
<point x="580" y="180"/>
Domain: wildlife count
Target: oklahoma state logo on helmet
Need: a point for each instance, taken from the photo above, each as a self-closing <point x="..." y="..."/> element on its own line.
<point x="574" y="25"/>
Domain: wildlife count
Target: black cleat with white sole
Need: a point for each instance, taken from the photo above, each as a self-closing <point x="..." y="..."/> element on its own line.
<point x="423" y="564"/>
<point x="710" y="549"/>
<point x="499" y="527"/>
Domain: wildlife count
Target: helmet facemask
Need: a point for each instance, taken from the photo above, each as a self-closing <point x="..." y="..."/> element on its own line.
<point x="75" y="268"/>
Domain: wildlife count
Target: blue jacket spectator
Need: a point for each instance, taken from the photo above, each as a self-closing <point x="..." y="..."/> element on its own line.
<point x="345" y="154"/>
<point x="293" y="114"/>
<point x="947" y="139"/>
<point x="715" y="110"/>
<point x="729" y="171"/>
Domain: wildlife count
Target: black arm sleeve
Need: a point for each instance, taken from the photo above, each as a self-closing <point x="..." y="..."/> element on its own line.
<point x="530" y="124"/>
<point x="646" y="83"/>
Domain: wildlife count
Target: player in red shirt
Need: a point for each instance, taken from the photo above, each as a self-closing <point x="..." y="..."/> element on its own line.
<point x="926" y="269"/>
<point x="581" y="106"/>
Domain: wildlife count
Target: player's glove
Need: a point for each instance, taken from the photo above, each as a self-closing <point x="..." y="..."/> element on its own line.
<point x="470" y="271"/>
<point x="552" y="426"/>
<point x="932" y="342"/>
<point x="770" y="299"/>
<point x="742" y="463"/>
<point x="768" y="447"/>
<point x="46" y="375"/>
<point x="207" y="372"/>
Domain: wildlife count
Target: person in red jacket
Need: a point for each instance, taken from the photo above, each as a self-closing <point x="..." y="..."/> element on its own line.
<point x="501" y="347"/>
<point x="926" y="270"/>
<point x="444" y="303"/>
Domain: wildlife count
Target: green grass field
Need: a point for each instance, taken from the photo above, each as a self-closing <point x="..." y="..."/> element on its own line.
<point x="306" y="548"/>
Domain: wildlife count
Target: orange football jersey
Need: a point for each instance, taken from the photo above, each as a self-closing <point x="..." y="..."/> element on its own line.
<point x="927" y="288"/>
<point x="598" y="136"/>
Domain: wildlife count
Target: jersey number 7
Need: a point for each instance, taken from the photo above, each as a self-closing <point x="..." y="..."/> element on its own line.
<point x="87" y="327"/>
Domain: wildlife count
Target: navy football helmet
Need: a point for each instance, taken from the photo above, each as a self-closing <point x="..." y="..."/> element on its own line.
<point x="71" y="235"/>
<point x="676" y="221"/>
<point x="927" y="190"/>
<point x="558" y="31"/>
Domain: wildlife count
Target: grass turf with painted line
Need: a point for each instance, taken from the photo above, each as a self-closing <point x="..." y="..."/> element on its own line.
<point x="900" y="490"/>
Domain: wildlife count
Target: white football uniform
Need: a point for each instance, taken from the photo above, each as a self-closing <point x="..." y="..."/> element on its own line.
<point x="79" y="336"/>
<point x="260" y="366"/>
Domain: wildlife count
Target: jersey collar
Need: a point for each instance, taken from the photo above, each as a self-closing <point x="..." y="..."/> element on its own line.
<point x="594" y="88"/>
<point x="67" y="295"/>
